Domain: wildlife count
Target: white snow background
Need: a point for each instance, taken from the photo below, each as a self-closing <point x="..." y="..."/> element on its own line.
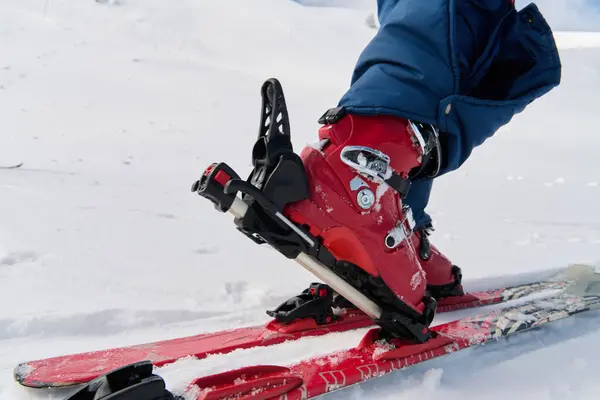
<point x="116" y="107"/>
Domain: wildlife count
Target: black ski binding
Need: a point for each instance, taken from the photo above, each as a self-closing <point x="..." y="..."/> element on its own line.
<point x="211" y="185"/>
<point x="277" y="180"/>
<point x="341" y="302"/>
<point x="315" y="302"/>
<point x="395" y="324"/>
<point x="131" y="382"/>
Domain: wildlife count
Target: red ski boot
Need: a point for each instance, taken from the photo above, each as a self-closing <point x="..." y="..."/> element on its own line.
<point x="338" y="209"/>
<point x="443" y="278"/>
<point x="358" y="175"/>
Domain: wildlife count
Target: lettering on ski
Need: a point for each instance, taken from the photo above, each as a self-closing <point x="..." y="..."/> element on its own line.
<point x="373" y="358"/>
<point x="81" y="368"/>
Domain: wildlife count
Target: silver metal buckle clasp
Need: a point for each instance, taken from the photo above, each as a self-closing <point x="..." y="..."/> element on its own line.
<point x="369" y="162"/>
<point x="402" y="231"/>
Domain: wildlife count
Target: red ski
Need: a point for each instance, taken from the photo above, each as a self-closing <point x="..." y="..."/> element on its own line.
<point x="80" y="368"/>
<point x="373" y="357"/>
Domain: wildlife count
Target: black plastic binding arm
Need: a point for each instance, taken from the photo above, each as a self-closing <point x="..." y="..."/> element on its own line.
<point x="212" y="183"/>
<point x="278" y="171"/>
<point x="274" y="136"/>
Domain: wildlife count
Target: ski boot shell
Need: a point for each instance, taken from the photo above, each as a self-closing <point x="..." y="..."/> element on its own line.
<point x="356" y="213"/>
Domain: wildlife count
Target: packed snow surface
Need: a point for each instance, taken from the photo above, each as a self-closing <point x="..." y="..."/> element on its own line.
<point x="117" y="106"/>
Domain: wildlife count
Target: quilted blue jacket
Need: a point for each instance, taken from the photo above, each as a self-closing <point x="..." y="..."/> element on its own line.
<point x="466" y="66"/>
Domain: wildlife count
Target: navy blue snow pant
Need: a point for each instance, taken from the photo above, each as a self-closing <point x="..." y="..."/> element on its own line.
<point x="417" y="199"/>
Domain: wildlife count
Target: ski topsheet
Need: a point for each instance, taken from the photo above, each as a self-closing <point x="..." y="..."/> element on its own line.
<point x="81" y="368"/>
<point x="373" y="358"/>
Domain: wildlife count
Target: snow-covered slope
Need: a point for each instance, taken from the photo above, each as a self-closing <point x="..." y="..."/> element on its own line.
<point x="117" y="107"/>
<point x="573" y="15"/>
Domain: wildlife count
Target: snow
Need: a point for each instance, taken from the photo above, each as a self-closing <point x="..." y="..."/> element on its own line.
<point x="116" y="108"/>
<point x="569" y="15"/>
